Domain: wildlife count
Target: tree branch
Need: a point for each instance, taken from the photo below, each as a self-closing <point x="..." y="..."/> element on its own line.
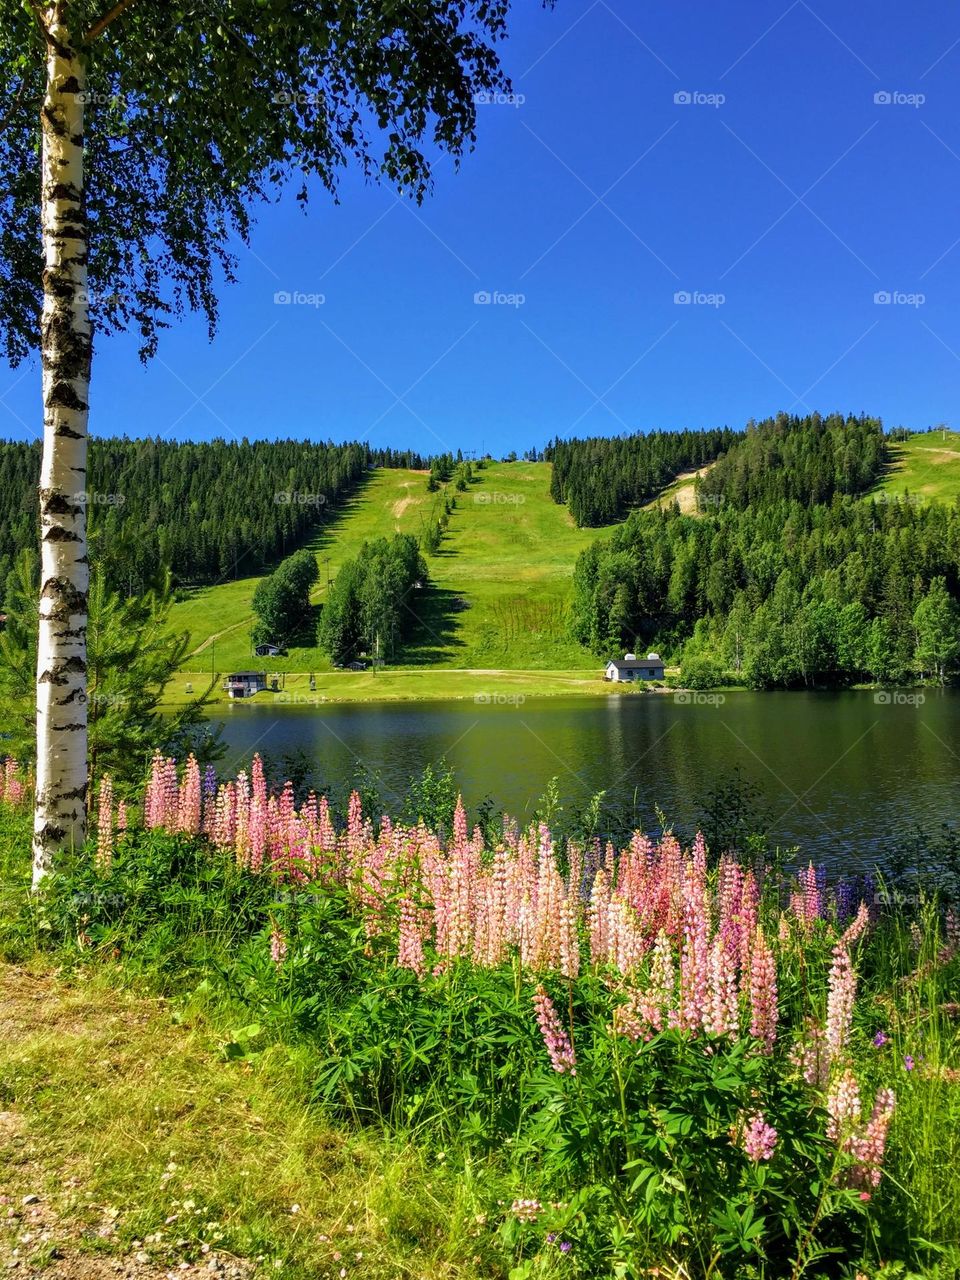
<point x="38" y="14"/>
<point x="101" y="24"/>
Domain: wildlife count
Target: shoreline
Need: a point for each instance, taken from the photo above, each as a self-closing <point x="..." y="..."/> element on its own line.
<point x="434" y="684"/>
<point x="484" y="686"/>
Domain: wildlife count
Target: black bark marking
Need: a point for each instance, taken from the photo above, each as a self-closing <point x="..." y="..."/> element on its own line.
<point x="63" y="395"/>
<point x="55" y="503"/>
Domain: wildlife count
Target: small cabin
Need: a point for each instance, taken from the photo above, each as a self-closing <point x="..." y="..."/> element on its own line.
<point x="268" y="651"/>
<point x="244" y="684"/>
<point x="630" y="667"/>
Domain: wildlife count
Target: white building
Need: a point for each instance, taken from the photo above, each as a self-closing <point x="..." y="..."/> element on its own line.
<point x="630" y="667"/>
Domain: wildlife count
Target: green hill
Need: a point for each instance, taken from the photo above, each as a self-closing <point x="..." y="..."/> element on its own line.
<point x="926" y="465"/>
<point x="496" y="596"/>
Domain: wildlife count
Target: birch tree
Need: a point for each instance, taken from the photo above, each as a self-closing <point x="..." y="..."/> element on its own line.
<point x="134" y="141"/>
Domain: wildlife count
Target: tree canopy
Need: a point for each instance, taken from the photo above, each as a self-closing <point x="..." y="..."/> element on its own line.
<point x="194" y="112"/>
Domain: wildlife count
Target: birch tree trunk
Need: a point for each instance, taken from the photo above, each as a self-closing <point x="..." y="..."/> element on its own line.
<point x="60" y="813"/>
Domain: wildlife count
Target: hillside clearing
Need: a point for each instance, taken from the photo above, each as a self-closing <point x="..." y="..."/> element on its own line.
<point x="927" y="466"/>
<point x="498" y="585"/>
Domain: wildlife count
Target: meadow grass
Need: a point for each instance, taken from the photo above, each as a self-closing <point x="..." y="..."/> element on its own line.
<point x="927" y="466"/>
<point x="124" y="1109"/>
<point x="402" y="1114"/>
<point x="498" y="585"/>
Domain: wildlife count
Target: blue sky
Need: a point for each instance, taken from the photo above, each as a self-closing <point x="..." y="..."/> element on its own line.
<point x="780" y="198"/>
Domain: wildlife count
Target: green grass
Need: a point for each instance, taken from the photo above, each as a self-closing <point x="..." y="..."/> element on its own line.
<point x="166" y="1146"/>
<point x="927" y="466"/>
<point x="123" y="1110"/>
<point x="405" y="684"/>
<point x="496" y="598"/>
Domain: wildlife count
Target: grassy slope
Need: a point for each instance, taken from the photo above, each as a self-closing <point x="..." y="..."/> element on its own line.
<point x="498" y="587"/>
<point x="682" y="492"/>
<point x="927" y="466"/>
<point x="496" y="600"/>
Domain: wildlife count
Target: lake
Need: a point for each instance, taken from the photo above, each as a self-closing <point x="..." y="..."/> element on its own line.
<point x="843" y="775"/>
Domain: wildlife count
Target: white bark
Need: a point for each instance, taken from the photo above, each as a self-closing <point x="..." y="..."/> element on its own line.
<point x="60" y="813"/>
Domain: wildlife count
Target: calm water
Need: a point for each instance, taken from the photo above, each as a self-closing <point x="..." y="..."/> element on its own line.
<point x="841" y="775"/>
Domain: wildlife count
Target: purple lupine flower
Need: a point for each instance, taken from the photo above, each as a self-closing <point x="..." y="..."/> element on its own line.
<point x="565" y="1246"/>
<point x="908" y="1063"/>
<point x="880" y="1039"/>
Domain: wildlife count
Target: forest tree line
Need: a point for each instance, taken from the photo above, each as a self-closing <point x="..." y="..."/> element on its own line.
<point x="787" y="591"/>
<point x="207" y="511"/>
<point x="601" y="479"/>
<point x="799" y="459"/>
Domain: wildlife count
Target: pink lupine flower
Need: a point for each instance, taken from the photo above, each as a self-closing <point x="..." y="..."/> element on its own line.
<point x="153" y="814"/>
<point x="189" y="798"/>
<point x="599" y="901"/>
<point x="843" y="1106"/>
<point x="555" y="1038"/>
<point x="526" y="1210"/>
<point x="868" y="1148"/>
<point x="763" y="993"/>
<point x="694" y="956"/>
<point x="653" y="1004"/>
<point x="856" y="928"/>
<point x="569" y="940"/>
<point x="104" y="855"/>
<point x="812" y="1057"/>
<point x="123" y="821"/>
<point x="410" y="945"/>
<point x="807" y="902"/>
<point x="720" y="1016"/>
<point x="12" y="787"/>
<point x="759" y="1139"/>
<point x="729" y="891"/>
<point x="842" y="990"/>
<point x="278" y="946"/>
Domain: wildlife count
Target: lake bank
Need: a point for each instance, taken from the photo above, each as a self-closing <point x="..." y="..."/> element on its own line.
<point x="846" y="777"/>
<point x="410" y="684"/>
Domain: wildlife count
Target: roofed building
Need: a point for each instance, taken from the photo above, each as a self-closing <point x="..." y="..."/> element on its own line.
<point x="630" y="667"/>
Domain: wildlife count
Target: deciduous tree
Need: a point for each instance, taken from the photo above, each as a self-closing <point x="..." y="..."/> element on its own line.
<point x="149" y="128"/>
